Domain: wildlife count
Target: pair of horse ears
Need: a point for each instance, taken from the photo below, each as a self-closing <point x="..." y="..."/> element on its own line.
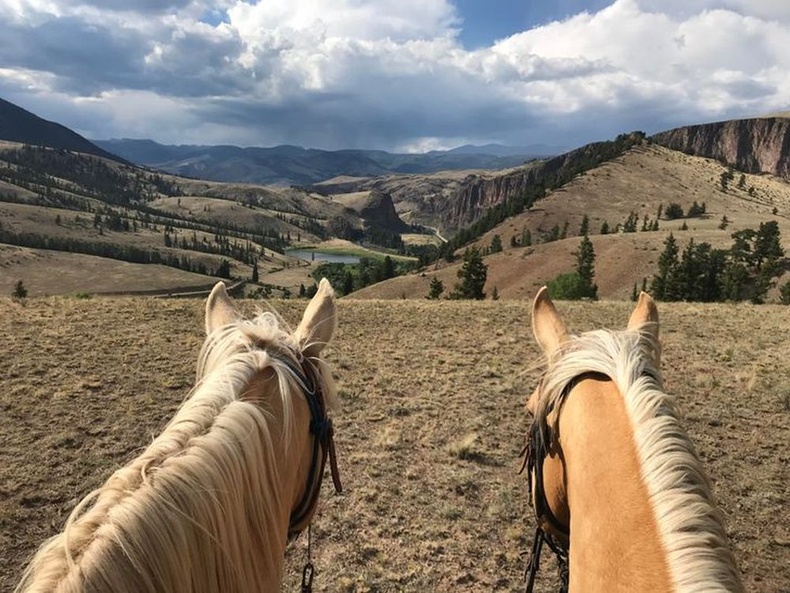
<point x="551" y="333"/>
<point x="314" y="332"/>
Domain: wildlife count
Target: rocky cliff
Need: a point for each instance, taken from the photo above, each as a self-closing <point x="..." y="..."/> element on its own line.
<point x="378" y="211"/>
<point x="479" y="193"/>
<point x="760" y="145"/>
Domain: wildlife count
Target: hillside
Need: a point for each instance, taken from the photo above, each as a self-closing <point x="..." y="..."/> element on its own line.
<point x="180" y="232"/>
<point x="19" y="125"/>
<point x="639" y="181"/>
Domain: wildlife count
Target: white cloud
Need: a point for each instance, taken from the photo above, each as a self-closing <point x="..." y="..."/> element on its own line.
<point x="389" y="73"/>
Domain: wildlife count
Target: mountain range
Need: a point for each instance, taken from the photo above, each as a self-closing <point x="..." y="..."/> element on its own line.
<point x="294" y="165"/>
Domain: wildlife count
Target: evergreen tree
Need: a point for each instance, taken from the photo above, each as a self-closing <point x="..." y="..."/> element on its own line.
<point x="526" y="237"/>
<point x="20" y="292"/>
<point x="673" y="211"/>
<point x="496" y="244"/>
<point x="472" y="275"/>
<point x="387" y="268"/>
<point x="436" y="288"/>
<point x="223" y="270"/>
<point x="584" y="229"/>
<point x="663" y="286"/>
<point x="585" y="267"/>
<point x="630" y="223"/>
<point x="605" y="228"/>
<point x="255" y="271"/>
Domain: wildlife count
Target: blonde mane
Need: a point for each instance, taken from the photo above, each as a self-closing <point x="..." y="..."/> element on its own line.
<point x="199" y="510"/>
<point x="690" y="525"/>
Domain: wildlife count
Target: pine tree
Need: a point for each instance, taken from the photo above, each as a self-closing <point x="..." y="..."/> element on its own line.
<point x="585" y="267"/>
<point x="435" y="289"/>
<point x="584" y="229"/>
<point x="496" y="244"/>
<point x="255" y="271"/>
<point x="663" y="286"/>
<point x="472" y="275"/>
<point x="20" y="292"/>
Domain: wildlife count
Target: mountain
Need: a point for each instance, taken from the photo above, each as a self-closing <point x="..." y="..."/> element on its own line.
<point x="759" y="145"/>
<point x="20" y="125"/>
<point x="292" y="165"/>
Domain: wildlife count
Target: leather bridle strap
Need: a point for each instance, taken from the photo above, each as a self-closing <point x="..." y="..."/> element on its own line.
<point x="322" y="432"/>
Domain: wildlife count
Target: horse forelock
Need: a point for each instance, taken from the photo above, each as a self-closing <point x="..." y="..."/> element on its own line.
<point x="179" y="508"/>
<point x="690" y="525"/>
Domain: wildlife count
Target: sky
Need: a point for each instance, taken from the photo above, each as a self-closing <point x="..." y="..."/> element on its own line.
<point x="397" y="75"/>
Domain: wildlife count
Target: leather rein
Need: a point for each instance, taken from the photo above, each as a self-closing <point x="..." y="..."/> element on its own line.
<point x="322" y="432"/>
<point x="535" y="451"/>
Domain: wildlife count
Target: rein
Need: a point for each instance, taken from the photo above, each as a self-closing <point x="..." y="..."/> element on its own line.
<point x="535" y="452"/>
<point x="323" y="445"/>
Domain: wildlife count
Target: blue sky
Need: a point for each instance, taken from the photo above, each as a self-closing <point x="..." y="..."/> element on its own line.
<point x="486" y="21"/>
<point x="398" y="75"/>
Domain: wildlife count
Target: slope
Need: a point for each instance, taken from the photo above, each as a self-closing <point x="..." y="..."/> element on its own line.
<point x="644" y="178"/>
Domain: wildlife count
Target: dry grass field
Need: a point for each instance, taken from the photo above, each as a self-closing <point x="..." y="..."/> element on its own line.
<point x="431" y="423"/>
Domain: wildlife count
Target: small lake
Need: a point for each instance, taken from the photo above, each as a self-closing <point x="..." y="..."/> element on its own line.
<point x="333" y="258"/>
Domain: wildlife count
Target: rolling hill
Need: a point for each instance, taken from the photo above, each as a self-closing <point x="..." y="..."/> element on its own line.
<point x="645" y="177"/>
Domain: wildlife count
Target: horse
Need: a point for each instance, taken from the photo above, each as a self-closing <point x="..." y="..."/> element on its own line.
<point x="618" y="491"/>
<point x="212" y="502"/>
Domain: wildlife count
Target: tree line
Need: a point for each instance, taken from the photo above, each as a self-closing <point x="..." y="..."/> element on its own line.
<point x="745" y="271"/>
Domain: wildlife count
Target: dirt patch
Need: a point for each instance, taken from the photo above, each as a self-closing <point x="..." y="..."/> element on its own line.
<point x="429" y="431"/>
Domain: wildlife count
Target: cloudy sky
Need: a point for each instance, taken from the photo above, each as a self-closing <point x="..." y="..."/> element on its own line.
<point x="400" y="75"/>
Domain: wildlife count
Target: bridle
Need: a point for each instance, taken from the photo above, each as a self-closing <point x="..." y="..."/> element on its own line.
<point x="536" y="449"/>
<point x="323" y="433"/>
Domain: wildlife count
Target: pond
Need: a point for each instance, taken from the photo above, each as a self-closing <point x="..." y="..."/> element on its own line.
<point x="335" y="258"/>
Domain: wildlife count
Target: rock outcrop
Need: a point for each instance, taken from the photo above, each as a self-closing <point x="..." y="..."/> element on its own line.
<point x="479" y="193"/>
<point x="378" y="212"/>
<point x="760" y="145"/>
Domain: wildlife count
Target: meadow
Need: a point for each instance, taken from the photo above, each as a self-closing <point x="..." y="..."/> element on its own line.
<point x="429" y="429"/>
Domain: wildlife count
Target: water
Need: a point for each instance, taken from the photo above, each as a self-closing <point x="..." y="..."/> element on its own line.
<point x="322" y="256"/>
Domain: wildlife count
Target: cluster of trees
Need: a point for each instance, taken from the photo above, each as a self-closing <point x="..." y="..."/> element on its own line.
<point x="579" y="284"/>
<point x="121" y="252"/>
<point x="471" y="279"/>
<point x="346" y="278"/>
<point x="37" y="168"/>
<point x="701" y="273"/>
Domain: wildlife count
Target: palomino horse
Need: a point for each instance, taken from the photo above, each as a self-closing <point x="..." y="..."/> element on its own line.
<point x="618" y="491"/>
<point x="210" y="505"/>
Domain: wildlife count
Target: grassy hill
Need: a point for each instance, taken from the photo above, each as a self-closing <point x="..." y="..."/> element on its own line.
<point x="641" y="180"/>
<point x="65" y="213"/>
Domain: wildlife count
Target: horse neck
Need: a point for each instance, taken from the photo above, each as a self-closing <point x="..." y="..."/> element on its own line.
<point x="292" y="455"/>
<point x="614" y="543"/>
<point x="239" y="547"/>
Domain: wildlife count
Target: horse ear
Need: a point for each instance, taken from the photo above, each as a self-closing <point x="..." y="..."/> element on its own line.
<point x="220" y="310"/>
<point x="548" y="327"/>
<point x="645" y="315"/>
<point x="318" y="322"/>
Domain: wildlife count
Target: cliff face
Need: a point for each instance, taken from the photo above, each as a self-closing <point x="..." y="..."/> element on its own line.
<point x="477" y="194"/>
<point x="750" y="145"/>
<point x="378" y="211"/>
